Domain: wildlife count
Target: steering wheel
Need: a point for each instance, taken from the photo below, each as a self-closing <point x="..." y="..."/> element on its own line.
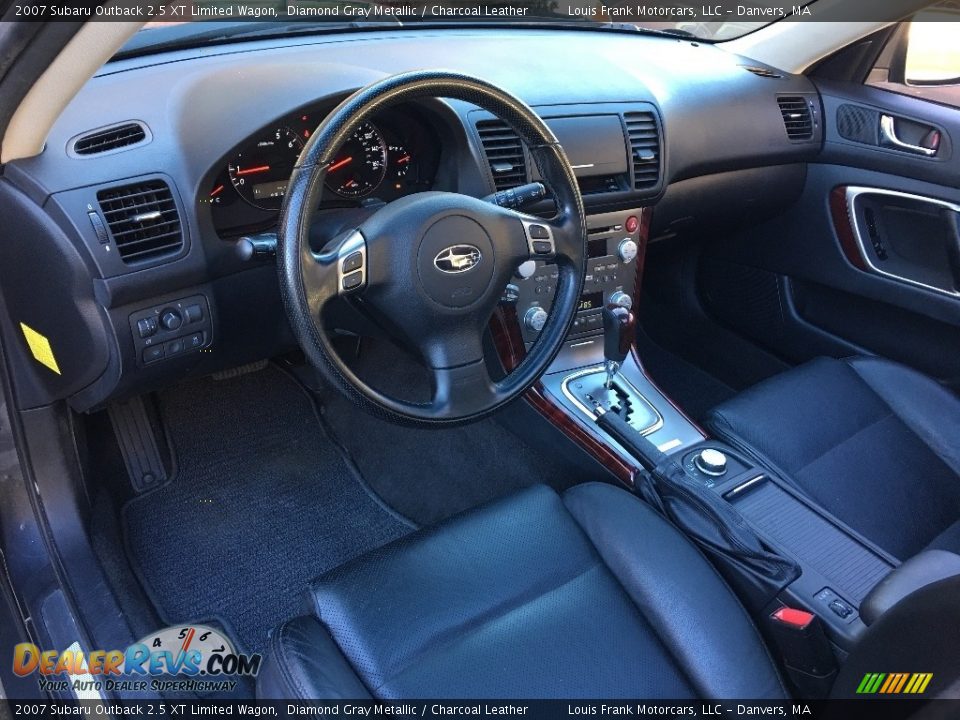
<point x="430" y="267"/>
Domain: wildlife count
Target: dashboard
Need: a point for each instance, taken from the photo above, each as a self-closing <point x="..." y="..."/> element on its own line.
<point x="682" y="127"/>
<point x="393" y="155"/>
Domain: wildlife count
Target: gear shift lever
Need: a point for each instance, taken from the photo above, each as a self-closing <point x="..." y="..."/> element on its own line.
<point x="619" y="332"/>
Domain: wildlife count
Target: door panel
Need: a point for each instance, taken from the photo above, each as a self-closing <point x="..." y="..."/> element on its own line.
<point x="838" y="286"/>
<point x="906" y="237"/>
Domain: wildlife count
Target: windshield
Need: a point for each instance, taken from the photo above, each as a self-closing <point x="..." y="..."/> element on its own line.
<point x="211" y="21"/>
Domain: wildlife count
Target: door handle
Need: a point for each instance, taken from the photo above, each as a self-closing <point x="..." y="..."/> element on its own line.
<point x="888" y="131"/>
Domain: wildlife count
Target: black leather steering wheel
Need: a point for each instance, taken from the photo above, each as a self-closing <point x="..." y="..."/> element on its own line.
<point x="431" y="267"/>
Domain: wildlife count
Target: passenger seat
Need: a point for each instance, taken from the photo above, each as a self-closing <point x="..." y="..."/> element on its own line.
<point x="873" y="442"/>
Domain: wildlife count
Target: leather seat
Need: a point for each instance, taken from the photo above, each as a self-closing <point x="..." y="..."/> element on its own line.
<point x="873" y="442"/>
<point x="587" y="595"/>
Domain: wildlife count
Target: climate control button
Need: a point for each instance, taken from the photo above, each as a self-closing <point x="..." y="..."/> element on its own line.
<point x="627" y="250"/>
<point x="622" y="299"/>
<point x="535" y="318"/>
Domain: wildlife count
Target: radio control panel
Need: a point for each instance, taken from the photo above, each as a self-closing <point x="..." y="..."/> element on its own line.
<point x="613" y="243"/>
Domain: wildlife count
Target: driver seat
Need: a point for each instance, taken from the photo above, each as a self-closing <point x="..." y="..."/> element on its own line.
<point x="586" y="595"/>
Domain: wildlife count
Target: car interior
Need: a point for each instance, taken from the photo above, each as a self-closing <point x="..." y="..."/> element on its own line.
<point x="488" y="361"/>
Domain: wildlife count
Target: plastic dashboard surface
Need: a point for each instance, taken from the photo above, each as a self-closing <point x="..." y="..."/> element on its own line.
<point x="203" y="109"/>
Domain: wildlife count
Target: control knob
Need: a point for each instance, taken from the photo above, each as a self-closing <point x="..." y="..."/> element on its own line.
<point x="170" y="319"/>
<point x="535" y="318"/>
<point x="627" y="250"/>
<point x="622" y="299"/>
<point x="711" y="462"/>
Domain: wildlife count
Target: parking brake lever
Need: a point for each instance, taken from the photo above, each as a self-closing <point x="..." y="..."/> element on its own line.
<point x="619" y="332"/>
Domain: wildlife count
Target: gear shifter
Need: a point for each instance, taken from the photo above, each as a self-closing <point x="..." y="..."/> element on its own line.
<point x="619" y="332"/>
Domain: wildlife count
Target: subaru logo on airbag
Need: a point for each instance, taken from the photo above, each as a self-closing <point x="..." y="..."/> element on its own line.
<point x="457" y="259"/>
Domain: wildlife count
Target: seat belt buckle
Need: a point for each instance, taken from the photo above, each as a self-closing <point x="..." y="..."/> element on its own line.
<point x="804" y="649"/>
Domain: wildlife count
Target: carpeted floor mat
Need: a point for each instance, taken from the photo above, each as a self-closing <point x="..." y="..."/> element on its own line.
<point x="261" y="503"/>
<point x="429" y="474"/>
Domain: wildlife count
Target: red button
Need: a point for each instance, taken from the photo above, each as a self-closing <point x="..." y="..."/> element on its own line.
<point x="632" y="224"/>
<point x="791" y="616"/>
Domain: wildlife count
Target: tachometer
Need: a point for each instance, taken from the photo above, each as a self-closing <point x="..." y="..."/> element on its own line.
<point x="361" y="164"/>
<point x="261" y="171"/>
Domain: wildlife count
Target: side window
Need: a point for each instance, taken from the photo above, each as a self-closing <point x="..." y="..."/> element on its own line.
<point x="922" y="58"/>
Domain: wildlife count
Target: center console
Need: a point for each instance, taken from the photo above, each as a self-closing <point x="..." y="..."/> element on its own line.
<point x="839" y="569"/>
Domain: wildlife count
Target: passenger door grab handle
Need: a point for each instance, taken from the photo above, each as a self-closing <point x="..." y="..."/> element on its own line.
<point x="889" y="132"/>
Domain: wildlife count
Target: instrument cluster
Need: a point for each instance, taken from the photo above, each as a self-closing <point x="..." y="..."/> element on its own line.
<point x="391" y="156"/>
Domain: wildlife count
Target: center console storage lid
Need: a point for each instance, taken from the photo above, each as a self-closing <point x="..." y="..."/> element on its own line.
<point x="919" y="571"/>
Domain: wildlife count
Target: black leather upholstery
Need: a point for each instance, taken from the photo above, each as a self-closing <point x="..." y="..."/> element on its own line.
<point x="589" y="595"/>
<point x="921" y="570"/>
<point x="873" y="442"/>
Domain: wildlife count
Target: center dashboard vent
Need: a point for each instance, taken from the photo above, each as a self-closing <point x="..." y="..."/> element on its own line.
<point x="504" y="151"/>
<point x="109" y="138"/>
<point x="644" y="135"/>
<point x="797" y="116"/>
<point x="143" y="220"/>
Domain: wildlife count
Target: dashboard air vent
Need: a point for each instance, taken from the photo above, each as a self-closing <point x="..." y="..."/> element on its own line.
<point x="111" y="138"/>
<point x="644" y="137"/>
<point x="762" y="71"/>
<point x="143" y="220"/>
<point x="504" y="151"/>
<point x="797" y="117"/>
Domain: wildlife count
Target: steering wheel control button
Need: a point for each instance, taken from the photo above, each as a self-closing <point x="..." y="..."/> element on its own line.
<point x="352" y="281"/>
<point x="170" y="319"/>
<point x="539" y="238"/>
<point x="542" y="247"/>
<point x="353" y="261"/>
<point x="538" y="232"/>
<point x="147" y="326"/>
<point x="535" y="318"/>
<point x="152" y="354"/>
<point x="711" y="462"/>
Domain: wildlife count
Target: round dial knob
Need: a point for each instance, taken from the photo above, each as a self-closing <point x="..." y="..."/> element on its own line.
<point x="622" y="299"/>
<point x="526" y="269"/>
<point x="535" y="318"/>
<point x="711" y="462"/>
<point x="170" y="319"/>
<point x="627" y="250"/>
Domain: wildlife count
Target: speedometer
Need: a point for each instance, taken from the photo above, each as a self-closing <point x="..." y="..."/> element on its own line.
<point x="261" y="171"/>
<point x="361" y="164"/>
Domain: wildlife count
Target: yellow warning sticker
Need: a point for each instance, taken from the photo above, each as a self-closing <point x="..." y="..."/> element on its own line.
<point x="40" y="347"/>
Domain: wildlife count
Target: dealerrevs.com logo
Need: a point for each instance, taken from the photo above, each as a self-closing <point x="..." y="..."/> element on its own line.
<point x="192" y="658"/>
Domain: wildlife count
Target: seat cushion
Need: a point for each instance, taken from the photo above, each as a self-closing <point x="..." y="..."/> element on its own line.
<point x="873" y="442"/>
<point x="589" y="595"/>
